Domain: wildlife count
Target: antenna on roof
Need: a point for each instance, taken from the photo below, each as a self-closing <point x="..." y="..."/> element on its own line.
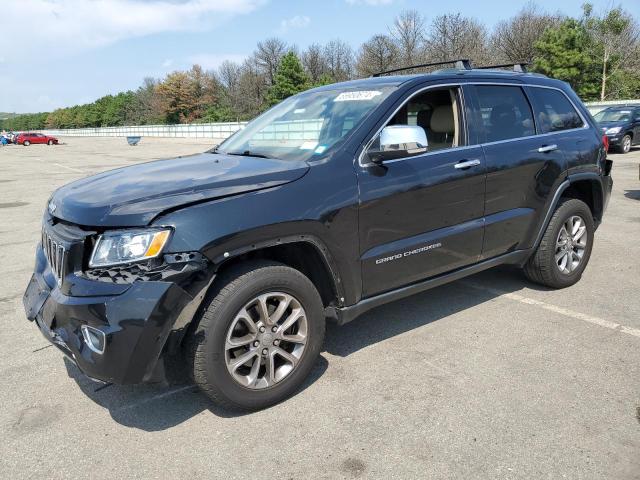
<point x="459" y="64"/>
<point x="517" y="67"/>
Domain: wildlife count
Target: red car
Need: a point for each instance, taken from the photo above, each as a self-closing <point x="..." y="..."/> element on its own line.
<point x="27" y="139"/>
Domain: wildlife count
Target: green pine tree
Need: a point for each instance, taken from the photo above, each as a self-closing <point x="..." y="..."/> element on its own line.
<point x="563" y="52"/>
<point x="290" y="79"/>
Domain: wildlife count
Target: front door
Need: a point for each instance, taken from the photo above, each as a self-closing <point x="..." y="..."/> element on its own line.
<point x="422" y="215"/>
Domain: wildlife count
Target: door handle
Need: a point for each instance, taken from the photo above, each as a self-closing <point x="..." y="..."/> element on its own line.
<point x="548" y="148"/>
<point x="467" y="164"/>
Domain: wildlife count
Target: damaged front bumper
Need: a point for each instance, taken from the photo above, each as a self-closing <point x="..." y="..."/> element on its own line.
<point x="121" y="331"/>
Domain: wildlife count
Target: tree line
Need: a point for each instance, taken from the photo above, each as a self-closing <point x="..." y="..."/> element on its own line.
<point x="598" y="54"/>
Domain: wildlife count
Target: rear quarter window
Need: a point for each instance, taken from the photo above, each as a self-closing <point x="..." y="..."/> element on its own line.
<point x="554" y="112"/>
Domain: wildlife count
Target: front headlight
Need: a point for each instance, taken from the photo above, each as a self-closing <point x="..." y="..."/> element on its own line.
<point x="612" y="130"/>
<point x="124" y="246"/>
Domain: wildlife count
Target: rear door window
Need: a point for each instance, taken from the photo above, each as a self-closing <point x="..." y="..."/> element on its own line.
<point x="554" y="111"/>
<point x="505" y="113"/>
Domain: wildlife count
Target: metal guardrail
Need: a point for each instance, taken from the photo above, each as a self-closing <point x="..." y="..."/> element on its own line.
<point x="218" y="131"/>
<point x="302" y="130"/>
<point x="595" y="107"/>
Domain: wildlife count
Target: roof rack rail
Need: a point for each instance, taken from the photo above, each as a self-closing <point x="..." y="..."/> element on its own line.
<point x="460" y="64"/>
<point x="517" y="67"/>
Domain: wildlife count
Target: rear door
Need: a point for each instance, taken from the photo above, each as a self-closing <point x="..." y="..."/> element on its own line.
<point x="560" y="122"/>
<point x="421" y="215"/>
<point x="523" y="169"/>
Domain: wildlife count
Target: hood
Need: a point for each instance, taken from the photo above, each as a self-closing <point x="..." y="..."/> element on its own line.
<point x="611" y="123"/>
<point x="617" y="123"/>
<point x="135" y="195"/>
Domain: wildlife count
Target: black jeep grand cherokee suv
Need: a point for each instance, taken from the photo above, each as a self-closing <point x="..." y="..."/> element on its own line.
<point x="335" y="201"/>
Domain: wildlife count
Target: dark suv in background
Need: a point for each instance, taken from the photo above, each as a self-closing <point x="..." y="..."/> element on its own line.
<point x="334" y="201"/>
<point x="621" y="124"/>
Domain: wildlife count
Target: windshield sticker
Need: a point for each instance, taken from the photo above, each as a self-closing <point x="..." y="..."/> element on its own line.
<point x="320" y="149"/>
<point x="309" y="145"/>
<point x="299" y="110"/>
<point x="357" y="96"/>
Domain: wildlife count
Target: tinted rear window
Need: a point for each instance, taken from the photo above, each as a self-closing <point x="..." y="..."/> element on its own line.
<point x="554" y="112"/>
<point x="505" y="113"/>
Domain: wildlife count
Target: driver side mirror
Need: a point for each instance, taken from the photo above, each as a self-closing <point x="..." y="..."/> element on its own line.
<point x="399" y="141"/>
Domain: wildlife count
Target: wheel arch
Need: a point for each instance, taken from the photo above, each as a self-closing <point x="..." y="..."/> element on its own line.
<point x="588" y="188"/>
<point x="585" y="186"/>
<point x="305" y="253"/>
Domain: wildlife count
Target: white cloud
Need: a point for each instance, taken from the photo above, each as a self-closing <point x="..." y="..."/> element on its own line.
<point x="373" y="3"/>
<point x="68" y="26"/>
<point x="211" y="61"/>
<point x="297" y="21"/>
<point x="167" y="63"/>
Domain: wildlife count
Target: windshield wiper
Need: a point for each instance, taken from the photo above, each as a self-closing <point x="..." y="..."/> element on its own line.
<point x="248" y="153"/>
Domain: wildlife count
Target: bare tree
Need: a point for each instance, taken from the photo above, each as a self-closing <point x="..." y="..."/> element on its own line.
<point x="314" y="62"/>
<point x="377" y="54"/>
<point x="268" y="55"/>
<point x="514" y="39"/>
<point x="230" y="74"/>
<point x="339" y="56"/>
<point x="408" y="32"/>
<point x="456" y="36"/>
<point x="252" y="89"/>
<point x="616" y="43"/>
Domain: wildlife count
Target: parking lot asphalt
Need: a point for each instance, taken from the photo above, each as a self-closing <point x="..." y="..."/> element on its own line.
<point x="487" y="377"/>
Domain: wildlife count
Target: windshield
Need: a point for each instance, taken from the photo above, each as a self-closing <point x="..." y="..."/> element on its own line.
<point x="613" y="116"/>
<point x="305" y="125"/>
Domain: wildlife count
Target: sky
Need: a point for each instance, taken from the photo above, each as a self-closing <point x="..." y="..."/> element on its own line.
<point x="58" y="53"/>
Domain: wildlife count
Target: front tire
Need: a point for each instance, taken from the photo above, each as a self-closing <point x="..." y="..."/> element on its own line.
<point x="50" y="142"/>
<point x="625" y="144"/>
<point x="259" y="336"/>
<point x="566" y="246"/>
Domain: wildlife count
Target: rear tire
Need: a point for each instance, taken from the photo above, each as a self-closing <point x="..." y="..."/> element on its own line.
<point x="232" y="317"/>
<point x="562" y="256"/>
<point x="26" y="143"/>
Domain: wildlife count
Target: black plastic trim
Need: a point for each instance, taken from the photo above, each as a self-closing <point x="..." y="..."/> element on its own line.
<point x="302" y="238"/>
<point x="346" y="314"/>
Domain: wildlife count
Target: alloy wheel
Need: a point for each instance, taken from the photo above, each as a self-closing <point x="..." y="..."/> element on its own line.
<point x="571" y="244"/>
<point x="626" y="144"/>
<point x="266" y="340"/>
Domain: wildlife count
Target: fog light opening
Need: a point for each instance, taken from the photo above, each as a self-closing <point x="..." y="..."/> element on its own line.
<point x="94" y="339"/>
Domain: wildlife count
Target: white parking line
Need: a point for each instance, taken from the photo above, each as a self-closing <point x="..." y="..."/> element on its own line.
<point x="68" y="168"/>
<point x="560" y="310"/>
<point x="156" y="397"/>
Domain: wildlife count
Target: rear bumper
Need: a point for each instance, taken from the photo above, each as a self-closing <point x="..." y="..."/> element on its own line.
<point x="136" y="322"/>
<point x="607" y="186"/>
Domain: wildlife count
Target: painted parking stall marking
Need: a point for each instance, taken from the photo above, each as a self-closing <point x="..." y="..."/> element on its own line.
<point x="560" y="310"/>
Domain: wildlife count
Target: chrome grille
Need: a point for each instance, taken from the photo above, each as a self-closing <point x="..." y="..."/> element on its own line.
<point x="56" y="255"/>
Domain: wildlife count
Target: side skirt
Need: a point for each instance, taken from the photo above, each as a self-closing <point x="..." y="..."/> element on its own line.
<point x="346" y="314"/>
